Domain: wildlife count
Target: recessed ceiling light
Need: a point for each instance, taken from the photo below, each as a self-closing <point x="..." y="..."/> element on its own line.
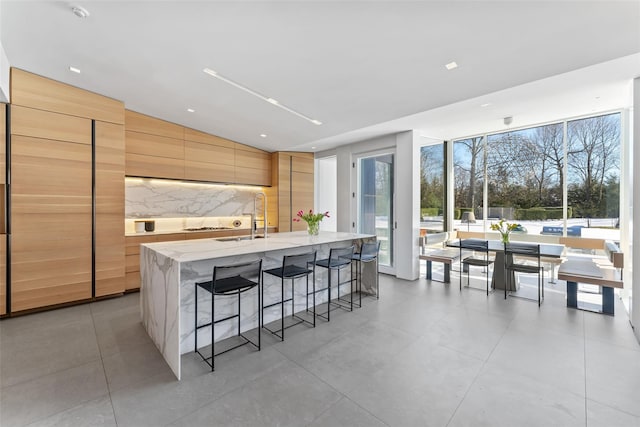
<point x="191" y="110"/>
<point x="74" y="69"/>
<point x="263" y="135"/>
<point x="80" y="11"/>
<point x="313" y="148"/>
<point x="271" y="101"/>
<point x="451" y="65"/>
<point x="485" y="104"/>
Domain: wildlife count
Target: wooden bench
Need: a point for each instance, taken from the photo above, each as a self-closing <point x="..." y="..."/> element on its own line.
<point x="431" y="250"/>
<point x="592" y="272"/>
<point x="446" y="256"/>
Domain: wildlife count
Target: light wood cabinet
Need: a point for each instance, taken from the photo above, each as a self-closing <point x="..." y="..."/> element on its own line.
<point x="141" y="123"/>
<point x="253" y="166"/>
<point x="132" y="250"/>
<point x="153" y="148"/>
<point x="206" y="138"/>
<point x="109" y="197"/>
<point x="49" y="125"/>
<point x="158" y="149"/>
<point x="208" y="162"/>
<point x="3" y="136"/>
<point x="51" y="205"/>
<point x="41" y="93"/>
<point x="292" y="187"/>
<point x="60" y="137"/>
<point x="154" y="156"/>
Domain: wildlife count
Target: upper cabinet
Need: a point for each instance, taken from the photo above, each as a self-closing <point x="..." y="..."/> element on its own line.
<point x="208" y="157"/>
<point x="154" y="148"/>
<point x="159" y="149"/>
<point x="252" y="166"/>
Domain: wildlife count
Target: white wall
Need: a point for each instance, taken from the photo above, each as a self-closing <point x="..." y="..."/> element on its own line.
<point x="4" y="70"/>
<point x="635" y="243"/>
<point x="407" y="148"/>
<point x="326" y="187"/>
<point x="408" y="205"/>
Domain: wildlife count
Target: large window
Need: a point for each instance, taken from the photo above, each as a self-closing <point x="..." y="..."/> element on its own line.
<point x="524" y="177"/>
<point x="525" y="174"/>
<point x="593" y="176"/>
<point x="468" y="169"/>
<point x="432" y="196"/>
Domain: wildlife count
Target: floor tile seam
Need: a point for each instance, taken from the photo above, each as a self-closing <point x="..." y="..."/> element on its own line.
<point x="344" y="396"/>
<point x="554" y="332"/>
<point x="104" y="371"/>
<point x="475" y="379"/>
<point x="232" y="390"/>
<point x="65" y="410"/>
<point x="86" y="362"/>
<point x="618" y="346"/>
<point x="613" y="407"/>
<point x="82" y="402"/>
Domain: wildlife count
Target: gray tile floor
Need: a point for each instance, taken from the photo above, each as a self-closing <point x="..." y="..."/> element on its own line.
<point x="424" y="354"/>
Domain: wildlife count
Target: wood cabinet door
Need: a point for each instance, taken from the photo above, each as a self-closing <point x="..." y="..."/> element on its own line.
<point x="109" y="195"/>
<point x="301" y="196"/>
<point x="51" y="222"/>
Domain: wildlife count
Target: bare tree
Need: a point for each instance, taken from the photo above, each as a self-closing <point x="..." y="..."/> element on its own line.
<point x="472" y="169"/>
<point x="593" y="156"/>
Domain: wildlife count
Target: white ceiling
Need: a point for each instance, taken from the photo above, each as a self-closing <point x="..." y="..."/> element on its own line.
<point x="362" y="68"/>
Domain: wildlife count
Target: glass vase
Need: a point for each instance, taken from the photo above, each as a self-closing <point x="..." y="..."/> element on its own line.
<point x="505" y="238"/>
<point x="313" y="228"/>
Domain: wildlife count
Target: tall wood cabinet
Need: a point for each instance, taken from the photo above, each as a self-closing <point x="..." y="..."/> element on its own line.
<point x="67" y="166"/>
<point x="292" y="186"/>
<point x="3" y="236"/>
<point x="109" y="205"/>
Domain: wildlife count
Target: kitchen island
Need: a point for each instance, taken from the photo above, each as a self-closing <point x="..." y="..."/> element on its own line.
<point x="170" y="270"/>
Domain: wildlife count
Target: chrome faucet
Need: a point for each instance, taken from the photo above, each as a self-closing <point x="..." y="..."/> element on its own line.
<point x="264" y="212"/>
<point x="254" y="215"/>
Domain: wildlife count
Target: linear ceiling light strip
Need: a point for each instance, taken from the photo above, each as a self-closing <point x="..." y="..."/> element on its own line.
<point x="271" y="101"/>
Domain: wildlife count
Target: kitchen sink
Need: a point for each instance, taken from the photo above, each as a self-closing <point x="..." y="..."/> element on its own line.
<point x="234" y="239"/>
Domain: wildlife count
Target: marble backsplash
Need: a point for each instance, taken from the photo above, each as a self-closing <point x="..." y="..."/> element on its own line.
<point x="153" y="198"/>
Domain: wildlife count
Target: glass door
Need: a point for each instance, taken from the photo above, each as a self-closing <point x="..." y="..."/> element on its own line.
<point x="376" y="204"/>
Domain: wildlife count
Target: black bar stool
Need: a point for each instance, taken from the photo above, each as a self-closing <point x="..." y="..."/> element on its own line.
<point x="339" y="259"/>
<point x="368" y="253"/>
<point x="231" y="280"/>
<point x="293" y="267"/>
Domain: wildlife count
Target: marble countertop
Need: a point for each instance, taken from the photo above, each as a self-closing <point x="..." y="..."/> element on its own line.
<point x="201" y="249"/>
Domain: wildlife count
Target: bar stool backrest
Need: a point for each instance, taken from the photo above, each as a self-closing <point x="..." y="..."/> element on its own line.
<point x="341" y="256"/>
<point x="369" y="250"/>
<point x="225" y="276"/>
<point x="294" y="265"/>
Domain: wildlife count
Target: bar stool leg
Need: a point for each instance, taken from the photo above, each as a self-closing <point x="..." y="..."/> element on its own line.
<point x="282" y="308"/>
<point x="329" y="294"/>
<point x="196" y="322"/>
<point x="213" y="317"/>
<point x="313" y="285"/>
